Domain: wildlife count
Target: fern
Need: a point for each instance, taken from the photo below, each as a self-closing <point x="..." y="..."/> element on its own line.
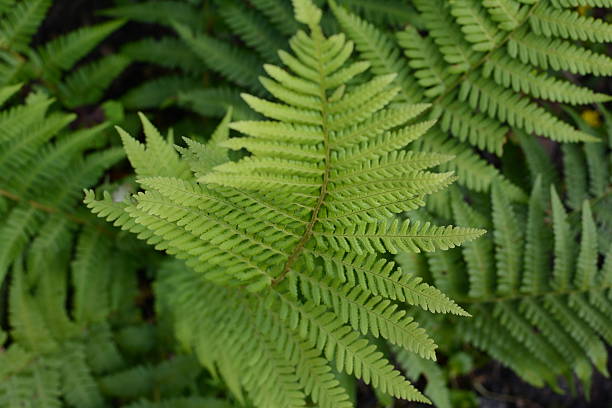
<point x="158" y="92"/>
<point x="63" y="53"/>
<point x="87" y="85"/>
<point x="47" y="64"/>
<point x="541" y="273"/>
<point x="481" y="63"/>
<point x="70" y="282"/>
<point x="304" y="213"/>
<point x="22" y="22"/>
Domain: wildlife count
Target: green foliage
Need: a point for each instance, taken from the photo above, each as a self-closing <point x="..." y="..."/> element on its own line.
<point x="55" y="67"/>
<point x="284" y="242"/>
<point x="481" y="64"/>
<point x="545" y="270"/>
<point x="274" y="282"/>
<point x="71" y="281"/>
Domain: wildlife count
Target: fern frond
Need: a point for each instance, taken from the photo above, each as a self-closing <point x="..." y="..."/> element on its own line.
<point x="7" y="92"/>
<point x="298" y="210"/>
<point x="511" y="74"/>
<point x="280" y="13"/>
<point x="564" y="251"/>
<point x="351" y="353"/>
<point x="462" y="41"/>
<point x="507" y="238"/>
<point x="566" y="24"/>
<point x="575" y="173"/>
<point x="537" y="51"/>
<point x="215" y="102"/>
<point x="229" y="61"/>
<point x="518" y="111"/>
<point x="254" y="30"/>
<point x="477" y="254"/>
<point x="507" y="13"/>
<point x="88" y="84"/>
<point x="436" y="388"/>
<point x="368" y="314"/>
<point x="28" y="325"/>
<point x="182" y="402"/>
<point x="14" y="121"/>
<point x="169" y="52"/>
<point x="377" y="48"/>
<point x="22" y="22"/>
<point x="79" y="387"/>
<point x="474" y="22"/>
<point x="586" y="268"/>
<point x="537" y="242"/>
<point x="159" y="92"/>
<point x="577" y="3"/>
<point x="158" y="153"/>
<point x="63" y="52"/>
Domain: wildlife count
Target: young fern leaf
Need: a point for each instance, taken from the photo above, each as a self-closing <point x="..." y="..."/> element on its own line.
<point x="286" y="242"/>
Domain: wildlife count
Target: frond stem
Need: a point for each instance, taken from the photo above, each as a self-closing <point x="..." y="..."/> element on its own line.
<point x="297" y="251"/>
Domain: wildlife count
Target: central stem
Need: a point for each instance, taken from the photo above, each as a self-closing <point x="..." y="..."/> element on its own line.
<point x="297" y="251"/>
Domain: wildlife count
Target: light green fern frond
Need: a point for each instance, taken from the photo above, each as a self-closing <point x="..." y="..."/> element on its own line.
<point x="283" y="240"/>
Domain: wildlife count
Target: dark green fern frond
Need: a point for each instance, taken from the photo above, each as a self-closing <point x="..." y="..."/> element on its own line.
<point x="284" y="240"/>
<point x="545" y="271"/>
<point x="56" y="171"/>
<point x="215" y="102"/>
<point x="385" y="11"/>
<point x="62" y="53"/>
<point x="168" y="52"/>
<point x="158" y="92"/>
<point x="254" y="30"/>
<point x="47" y="66"/>
<point x="18" y="27"/>
<point x="87" y="84"/>
<point x="71" y="281"/>
<point x="234" y="63"/>
<point x="463" y="42"/>
<point x="164" y="12"/>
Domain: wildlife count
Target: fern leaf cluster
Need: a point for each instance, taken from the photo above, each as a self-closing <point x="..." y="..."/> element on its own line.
<point x="72" y="335"/>
<point x="55" y="64"/>
<point x="546" y="270"/>
<point x="287" y="238"/>
<point x="313" y="240"/>
<point x="482" y="64"/>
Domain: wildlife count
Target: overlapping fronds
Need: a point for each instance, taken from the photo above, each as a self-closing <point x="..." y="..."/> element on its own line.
<point x="47" y="64"/>
<point x="286" y="242"/>
<point x="545" y="270"/>
<point x="483" y="64"/>
<point x="71" y="325"/>
<point x="258" y="31"/>
<point x="56" y="171"/>
<point x="46" y="358"/>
